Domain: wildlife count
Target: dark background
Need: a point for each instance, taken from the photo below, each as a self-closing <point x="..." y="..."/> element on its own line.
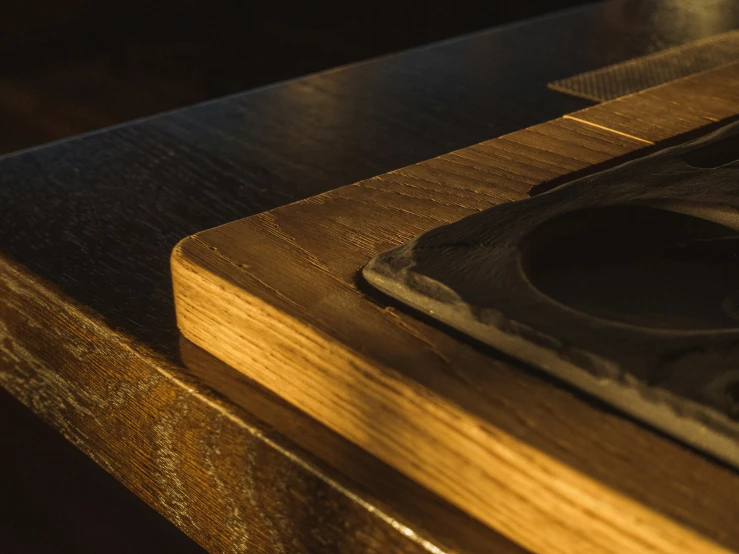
<point x="72" y="66"/>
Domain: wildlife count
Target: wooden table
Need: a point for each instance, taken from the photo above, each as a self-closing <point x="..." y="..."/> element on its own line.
<point x="87" y="333"/>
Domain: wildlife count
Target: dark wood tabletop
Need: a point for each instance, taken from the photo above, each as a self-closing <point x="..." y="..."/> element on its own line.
<point x="88" y="225"/>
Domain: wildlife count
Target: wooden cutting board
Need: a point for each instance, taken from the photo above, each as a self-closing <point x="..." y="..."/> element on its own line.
<point x="278" y="296"/>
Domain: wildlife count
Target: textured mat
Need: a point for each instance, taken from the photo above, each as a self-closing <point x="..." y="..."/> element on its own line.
<point x="651" y="70"/>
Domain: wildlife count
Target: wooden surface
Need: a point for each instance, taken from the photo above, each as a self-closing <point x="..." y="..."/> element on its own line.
<point x="87" y="332"/>
<point x="278" y="297"/>
<point x="43" y="472"/>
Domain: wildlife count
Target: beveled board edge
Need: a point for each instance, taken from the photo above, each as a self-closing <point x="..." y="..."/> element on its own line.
<point x="528" y="495"/>
<point x="236" y="471"/>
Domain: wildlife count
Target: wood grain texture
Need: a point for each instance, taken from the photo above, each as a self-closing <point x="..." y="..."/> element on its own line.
<point x="43" y="472"/>
<point x="88" y="225"/>
<point x="276" y="296"/>
<point x="671" y="109"/>
<point x="211" y="464"/>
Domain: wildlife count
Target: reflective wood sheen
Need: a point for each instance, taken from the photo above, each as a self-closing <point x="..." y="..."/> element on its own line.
<point x="87" y="331"/>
